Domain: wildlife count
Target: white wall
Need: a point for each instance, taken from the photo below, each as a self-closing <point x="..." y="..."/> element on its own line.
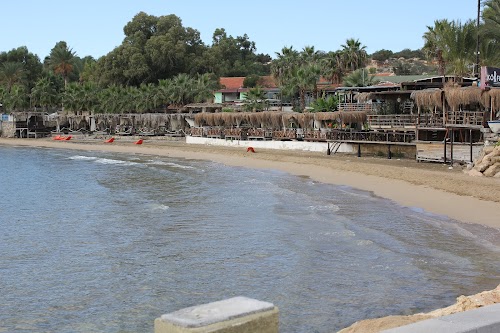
<point x="283" y="145"/>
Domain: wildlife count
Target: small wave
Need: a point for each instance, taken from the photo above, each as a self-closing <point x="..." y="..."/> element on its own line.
<point x="332" y="208"/>
<point x="83" y="158"/>
<point x="171" y="164"/>
<point x="114" y="162"/>
<point x="159" y="207"/>
<point x="364" y="242"/>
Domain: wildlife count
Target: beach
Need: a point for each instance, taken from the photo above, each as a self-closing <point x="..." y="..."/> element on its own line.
<point x="433" y="187"/>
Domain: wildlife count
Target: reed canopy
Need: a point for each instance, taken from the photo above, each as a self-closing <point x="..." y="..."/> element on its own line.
<point x="456" y="97"/>
<point x="275" y="119"/>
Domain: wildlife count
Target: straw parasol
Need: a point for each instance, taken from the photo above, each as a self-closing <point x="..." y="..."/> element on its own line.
<point x="427" y="98"/>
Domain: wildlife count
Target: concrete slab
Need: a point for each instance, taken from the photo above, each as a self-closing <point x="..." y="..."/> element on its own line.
<point x="234" y="315"/>
<point x="482" y="320"/>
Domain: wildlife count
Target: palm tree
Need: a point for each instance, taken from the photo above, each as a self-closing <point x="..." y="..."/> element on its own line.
<point x="332" y="67"/>
<point x="325" y="105"/>
<point x="453" y="43"/>
<point x="182" y="89"/>
<point x="16" y="99"/>
<point x="354" y="54"/>
<point x="306" y="79"/>
<point x="490" y="34"/>
<point x="283" y="67"/>
<point x="205" y="86"/>
<point x="44" y="93"/>
<point x="11" y="73"/>
<point x="62" y="61"/>
<point x="255" y="99"/>
<point x="359" y="78"/>
<point x="491" y="18"/>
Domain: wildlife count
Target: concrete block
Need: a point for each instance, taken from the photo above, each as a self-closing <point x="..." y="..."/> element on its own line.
<point x="481" y="320"/>
<point x="234" y="315"/>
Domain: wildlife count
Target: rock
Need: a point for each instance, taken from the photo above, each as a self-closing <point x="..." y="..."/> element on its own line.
<point x="475" y="173"/>
<point x="497" y="175"/>
<point x="485" y="164"/>
<point x="487" y="150"/>
<point x="492" y="170"/>
<point x="495" y="159"/>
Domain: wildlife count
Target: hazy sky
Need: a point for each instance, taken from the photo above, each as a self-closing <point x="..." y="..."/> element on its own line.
<point x="94" y="27"/>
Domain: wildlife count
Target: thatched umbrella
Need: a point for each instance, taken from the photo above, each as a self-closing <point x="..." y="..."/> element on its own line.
<point x="494" y="94"/>
<point x="364" y="97"/>
<point x="305" y="119"/>
<point x="350" y="116"/>
<point x="427" y="98"/>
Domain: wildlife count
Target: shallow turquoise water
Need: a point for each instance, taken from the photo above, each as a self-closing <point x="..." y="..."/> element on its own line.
<point x="103" y="242"/>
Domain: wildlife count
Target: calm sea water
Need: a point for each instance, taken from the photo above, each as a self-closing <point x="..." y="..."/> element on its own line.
<point x="102" y="242"/>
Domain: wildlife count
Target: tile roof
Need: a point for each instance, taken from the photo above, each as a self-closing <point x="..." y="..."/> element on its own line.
<point x="237" y="82"/>
<point x="232" y="82"/>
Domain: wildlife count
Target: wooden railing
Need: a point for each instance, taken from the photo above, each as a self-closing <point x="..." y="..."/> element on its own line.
<point x="432" y="120"/>
<point x="235" y="133"/>
<point x="287" y="134"/>
<point x="355" y="107"/>
<point x="340" y="135"/>
<point x="196" y="131"/>
<point x="465" y="118"/>
<point x="392" y="121"/>
<point x="214" y="133"/>
<point x="259" y="133"/>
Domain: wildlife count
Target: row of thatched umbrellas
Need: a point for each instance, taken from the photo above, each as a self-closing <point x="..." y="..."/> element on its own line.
<point x="275" y="119"/>
<point x="456" y="96"/>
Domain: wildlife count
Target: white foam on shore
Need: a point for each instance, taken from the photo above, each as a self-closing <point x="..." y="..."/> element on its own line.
<point x="83" y="158"/>
<point x="115" y="162"/>
<point x="329" y="208"/>
<point x="171" y="164"/>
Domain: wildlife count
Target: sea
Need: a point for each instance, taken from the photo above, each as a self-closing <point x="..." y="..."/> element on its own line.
<point x="107" y="242"/>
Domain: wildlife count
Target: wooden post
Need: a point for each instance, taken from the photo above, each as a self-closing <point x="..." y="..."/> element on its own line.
<point x="389" y="155"/>
<point x="359" y="149"/>
<point x="328" y="149"/>
<point x="445" y="135"/>
<point x="470" y="138"/>
<point x="451" y="149"/>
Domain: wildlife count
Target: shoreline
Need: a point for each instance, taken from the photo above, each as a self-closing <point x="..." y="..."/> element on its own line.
<point x="432" y="187"/>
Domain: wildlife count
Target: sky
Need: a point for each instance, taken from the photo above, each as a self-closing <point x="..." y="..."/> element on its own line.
<point x="94" y="28"/>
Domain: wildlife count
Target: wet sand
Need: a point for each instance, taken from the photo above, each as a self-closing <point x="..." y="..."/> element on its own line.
<point x="430" y="186"/>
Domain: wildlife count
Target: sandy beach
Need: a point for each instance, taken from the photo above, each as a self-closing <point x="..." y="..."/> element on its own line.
<point x="433" y="187"/>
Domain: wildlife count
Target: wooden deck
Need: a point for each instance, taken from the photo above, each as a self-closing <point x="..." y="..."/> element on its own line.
<point x="432" y="151"/>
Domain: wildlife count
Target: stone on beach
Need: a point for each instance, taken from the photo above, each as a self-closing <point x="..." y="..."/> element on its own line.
<point x="488" y="163"/>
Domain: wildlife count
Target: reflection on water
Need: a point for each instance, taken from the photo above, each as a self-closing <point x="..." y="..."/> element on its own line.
<point x="101" y="242"/>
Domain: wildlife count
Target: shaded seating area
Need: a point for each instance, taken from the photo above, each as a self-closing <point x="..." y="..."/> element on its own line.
<point x="235" y="133"/>
<point x="286" y="134"/>
<point x="259" y="134"/>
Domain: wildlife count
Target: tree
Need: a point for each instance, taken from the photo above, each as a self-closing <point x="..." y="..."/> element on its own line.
<point x="453" y="43"/>
<point x="382" y="55"/>
<point x="44" y="93"/>
<point x="329" y="104"/>
<point x="11" y="73"/>
<point x="62" y="60"/>
<point x="31" y="65"/>
<point x="255" y="99"/>
<point x="409" y="54"/>
<point x="332" y="66"/>
<point x="360" y="78"/>
<point x="490" y="34"/>
<point x="354" y="54"/>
